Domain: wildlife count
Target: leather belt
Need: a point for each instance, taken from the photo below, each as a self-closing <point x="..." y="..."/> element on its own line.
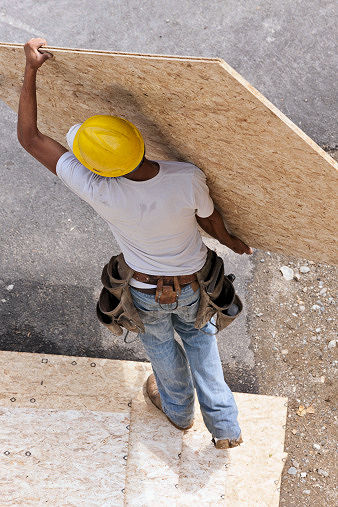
<point x="153" y="279"/>
<point x="168" y="288"/>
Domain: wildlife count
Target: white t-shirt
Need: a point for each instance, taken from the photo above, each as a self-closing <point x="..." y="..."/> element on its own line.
<point x="153" y="221"/>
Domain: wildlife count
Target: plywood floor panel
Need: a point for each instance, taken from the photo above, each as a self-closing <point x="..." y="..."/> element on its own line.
<point x="69" y="382"/>
<point x="275" y="187"/>
<point x="204" y="476"/>
<point x="96" y="448"/>
<point x="203" y="469"/>
<point x="254" y="468"/>
<point x="72" y="456"/>
<point x="153" y="459"/>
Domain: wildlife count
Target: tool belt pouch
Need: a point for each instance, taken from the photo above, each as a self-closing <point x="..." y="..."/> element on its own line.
<point x="218" y="297"/>
<point x="115" y="308"/>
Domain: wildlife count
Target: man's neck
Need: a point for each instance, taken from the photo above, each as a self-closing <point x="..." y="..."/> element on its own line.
<point x="149" y="169"/>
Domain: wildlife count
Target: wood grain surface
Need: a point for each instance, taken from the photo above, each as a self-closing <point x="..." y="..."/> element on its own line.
<point x="82" y="430"/>
<point x="274" y="186"/>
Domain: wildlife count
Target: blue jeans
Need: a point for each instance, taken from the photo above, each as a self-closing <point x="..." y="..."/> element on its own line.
<point x="175" y="380"/>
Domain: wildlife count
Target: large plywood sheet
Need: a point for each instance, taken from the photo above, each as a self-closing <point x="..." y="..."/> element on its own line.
<point x="153" y="462"/>
<point x="69" y="432"/>
<point x="198" y="474"/>
<point x="275" y="187"/>
<point x="63" y="457"/>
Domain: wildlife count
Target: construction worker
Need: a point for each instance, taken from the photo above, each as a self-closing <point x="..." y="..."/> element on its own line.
<point x="153" y="209"/>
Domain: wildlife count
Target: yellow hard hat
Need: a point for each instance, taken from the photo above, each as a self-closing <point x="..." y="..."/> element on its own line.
<point x="108" y="145"/>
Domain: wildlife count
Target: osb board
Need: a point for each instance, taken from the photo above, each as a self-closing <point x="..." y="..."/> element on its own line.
<point x="62" y="382"/>
<point x="65" y="423"/>
<point x="254" y="469"/>
<point x="198" y="474"/>
<point x="76" y="457"/>
<point x="276" y="188"/>
<point x="153" y="461"/>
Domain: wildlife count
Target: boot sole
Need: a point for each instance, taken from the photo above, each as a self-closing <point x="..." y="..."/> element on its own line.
<point x="227" y="444"/>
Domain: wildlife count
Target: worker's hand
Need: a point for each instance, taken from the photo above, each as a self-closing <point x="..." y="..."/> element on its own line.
<point x="34" y="57"/>
<point x="239" y="247"/>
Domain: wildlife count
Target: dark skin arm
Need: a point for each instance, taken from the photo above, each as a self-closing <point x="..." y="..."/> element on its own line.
<point x="214" y="226"/>
<point x="43" y="148"/>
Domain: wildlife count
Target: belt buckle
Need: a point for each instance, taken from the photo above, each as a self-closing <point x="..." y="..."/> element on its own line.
<point x="165" y="294"/>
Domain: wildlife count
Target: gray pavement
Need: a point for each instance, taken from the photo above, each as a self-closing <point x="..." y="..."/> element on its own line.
<point x="53" y="245"/>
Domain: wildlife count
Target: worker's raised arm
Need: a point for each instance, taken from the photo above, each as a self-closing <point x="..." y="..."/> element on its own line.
<point x="43" y="148"/>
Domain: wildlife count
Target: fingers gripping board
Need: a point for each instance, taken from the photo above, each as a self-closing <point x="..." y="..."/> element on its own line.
<point x="274" y="186"/>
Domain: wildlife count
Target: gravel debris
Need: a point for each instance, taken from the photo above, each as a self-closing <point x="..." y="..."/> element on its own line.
<point x="331" y="344"/>
<point x="287" y="272"/>
<point x="322" y="472"/>
<point x="305" y="375"/>
<point x="293" y="471"/>
<point x="304" y="269"/>
<point x="10" y="287"/>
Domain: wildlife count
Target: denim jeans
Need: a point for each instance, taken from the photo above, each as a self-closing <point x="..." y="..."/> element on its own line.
<point x="170" y="363"/>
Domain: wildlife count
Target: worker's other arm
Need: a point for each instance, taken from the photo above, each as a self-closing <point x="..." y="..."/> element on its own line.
<point x="43" y="148"/>
<point x="214" y="226"/>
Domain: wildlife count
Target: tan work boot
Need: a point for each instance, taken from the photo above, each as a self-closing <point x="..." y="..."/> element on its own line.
<point x="225" y="443"/>
<point x="154" y="395"/>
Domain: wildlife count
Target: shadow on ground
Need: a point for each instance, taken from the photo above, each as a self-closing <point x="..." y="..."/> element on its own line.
<point x="56" y="319"/>
<point x="241" y="379"/>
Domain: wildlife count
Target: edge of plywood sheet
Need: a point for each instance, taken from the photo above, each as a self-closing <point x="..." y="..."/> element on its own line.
<point x="274" y="109"/>
<point x="115" y="53"/>
<point x="82" y="383"/>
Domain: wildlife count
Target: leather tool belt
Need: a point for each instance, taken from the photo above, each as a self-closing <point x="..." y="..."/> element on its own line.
<point x="168" y="288"/>
<point x="218" y="299"/>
